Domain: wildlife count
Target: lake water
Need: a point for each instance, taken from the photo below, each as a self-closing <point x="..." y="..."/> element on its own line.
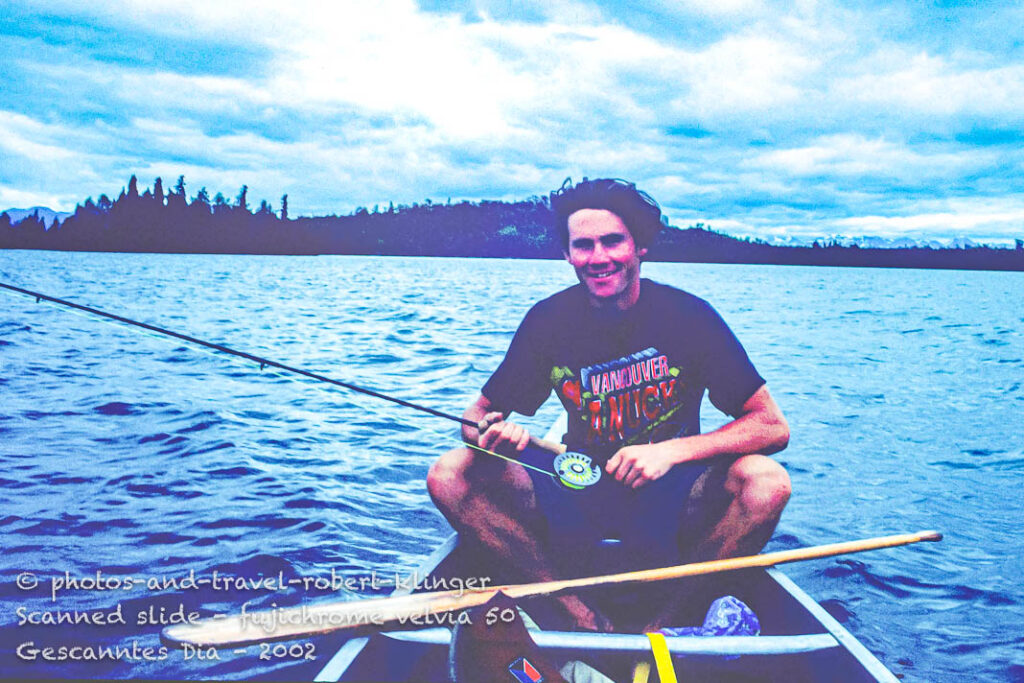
<point x="137" y="457"/>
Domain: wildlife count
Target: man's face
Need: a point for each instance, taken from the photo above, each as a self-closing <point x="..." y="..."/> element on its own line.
<point x="606" y="259"/>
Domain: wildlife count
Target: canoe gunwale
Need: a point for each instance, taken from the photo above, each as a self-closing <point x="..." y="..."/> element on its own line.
<point x="629" y="642"/>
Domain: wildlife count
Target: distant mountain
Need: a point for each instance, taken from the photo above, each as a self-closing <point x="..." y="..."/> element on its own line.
<point x="871" y="242"/>
<point x="48" y="215"/>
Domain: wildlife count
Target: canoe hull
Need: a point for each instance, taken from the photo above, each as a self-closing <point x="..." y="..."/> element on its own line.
<point x="787" y="615"/>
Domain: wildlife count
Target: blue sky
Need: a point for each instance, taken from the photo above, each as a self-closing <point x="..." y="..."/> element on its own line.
<point x="766" y="119"/>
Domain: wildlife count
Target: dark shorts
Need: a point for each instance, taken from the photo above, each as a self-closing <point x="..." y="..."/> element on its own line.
<point x="609" y="528"/>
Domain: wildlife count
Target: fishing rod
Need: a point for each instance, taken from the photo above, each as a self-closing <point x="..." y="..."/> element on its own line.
<point x="263" y="362"/>
<point x="574" y="470"/>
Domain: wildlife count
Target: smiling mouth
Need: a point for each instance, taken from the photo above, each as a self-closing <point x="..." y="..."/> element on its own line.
<point x="602" y="275"/>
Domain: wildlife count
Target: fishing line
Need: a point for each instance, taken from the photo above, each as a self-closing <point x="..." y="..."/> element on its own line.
<point x="209" y="347"/>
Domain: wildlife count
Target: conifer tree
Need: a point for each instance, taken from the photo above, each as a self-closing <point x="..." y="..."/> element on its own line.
<point x="177" y="196"/>
<point x="202" y="197"/>
<point x="220" y="203"/>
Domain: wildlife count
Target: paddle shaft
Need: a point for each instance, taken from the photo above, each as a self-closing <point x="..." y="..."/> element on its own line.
<point x="714" y="566"/>
<point x="418" y="608"/>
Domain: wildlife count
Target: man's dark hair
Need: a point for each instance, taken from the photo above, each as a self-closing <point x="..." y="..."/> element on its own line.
<point x="640" y="213"/>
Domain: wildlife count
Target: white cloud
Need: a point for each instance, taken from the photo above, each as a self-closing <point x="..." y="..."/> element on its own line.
<point x="404" y="63"/>
<point x="745" y="74"/>
<point x="857" y="155"/>
<point x="48" y="160"/>
<point x="31" y="139"/>
<point x="983" y="217"/>
<point x="252" y="21"/>
<point x="936" y="85"/>
<point x="17" y="198"/>
<point x="553" y="11"/>
<point x="687" y="10"/>
<point x="989" y="222"/>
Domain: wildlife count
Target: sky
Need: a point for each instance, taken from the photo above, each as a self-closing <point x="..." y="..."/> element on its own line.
<point x="773" y="120"/>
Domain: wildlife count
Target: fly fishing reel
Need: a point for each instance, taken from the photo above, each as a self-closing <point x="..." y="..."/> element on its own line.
<point x="576" y="471"/>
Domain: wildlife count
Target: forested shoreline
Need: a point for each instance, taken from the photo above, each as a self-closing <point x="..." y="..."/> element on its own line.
<point x="168" y="222"/>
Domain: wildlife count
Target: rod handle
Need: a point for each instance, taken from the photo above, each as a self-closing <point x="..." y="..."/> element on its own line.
<point x="546" y="445"/>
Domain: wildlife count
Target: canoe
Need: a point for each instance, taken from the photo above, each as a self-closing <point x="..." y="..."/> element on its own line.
<point x="799" y="640"/>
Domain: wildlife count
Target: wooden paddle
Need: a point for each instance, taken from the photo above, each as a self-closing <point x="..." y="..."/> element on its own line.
<point x="422" y="609"/>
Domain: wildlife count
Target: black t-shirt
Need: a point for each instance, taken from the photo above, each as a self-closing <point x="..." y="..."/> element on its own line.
<point x="625" y="377"/>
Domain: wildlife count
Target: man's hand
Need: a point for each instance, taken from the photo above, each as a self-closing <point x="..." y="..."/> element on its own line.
<point x="635" y="466"/>
<point x="585" y="618"/>
<point x="500" y="436"/>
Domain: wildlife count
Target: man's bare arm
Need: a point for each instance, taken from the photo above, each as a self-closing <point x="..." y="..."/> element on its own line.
<point x="499" y="436"/>
<point x="761" y="428"/>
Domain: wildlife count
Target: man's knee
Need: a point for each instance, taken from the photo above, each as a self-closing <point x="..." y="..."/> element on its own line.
<point x="460" y="472"/>
<point x="447" y="478"/>
<point x="760" y="484"/>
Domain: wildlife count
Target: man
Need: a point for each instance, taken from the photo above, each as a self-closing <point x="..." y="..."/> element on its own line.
<point x="630" y="360"/>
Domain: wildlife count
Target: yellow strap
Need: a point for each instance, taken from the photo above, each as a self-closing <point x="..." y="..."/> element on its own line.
<point x="641" y="672"/>
<point x="662" y="658"/>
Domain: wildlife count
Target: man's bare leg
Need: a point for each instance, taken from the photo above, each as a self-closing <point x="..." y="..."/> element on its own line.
<point x="757" y="489"/>
<point x="753" y="491"/>
<point x="492" y="502"/>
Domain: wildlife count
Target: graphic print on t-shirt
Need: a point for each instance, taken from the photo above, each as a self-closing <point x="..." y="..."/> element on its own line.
<point x="621" y="401"/>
